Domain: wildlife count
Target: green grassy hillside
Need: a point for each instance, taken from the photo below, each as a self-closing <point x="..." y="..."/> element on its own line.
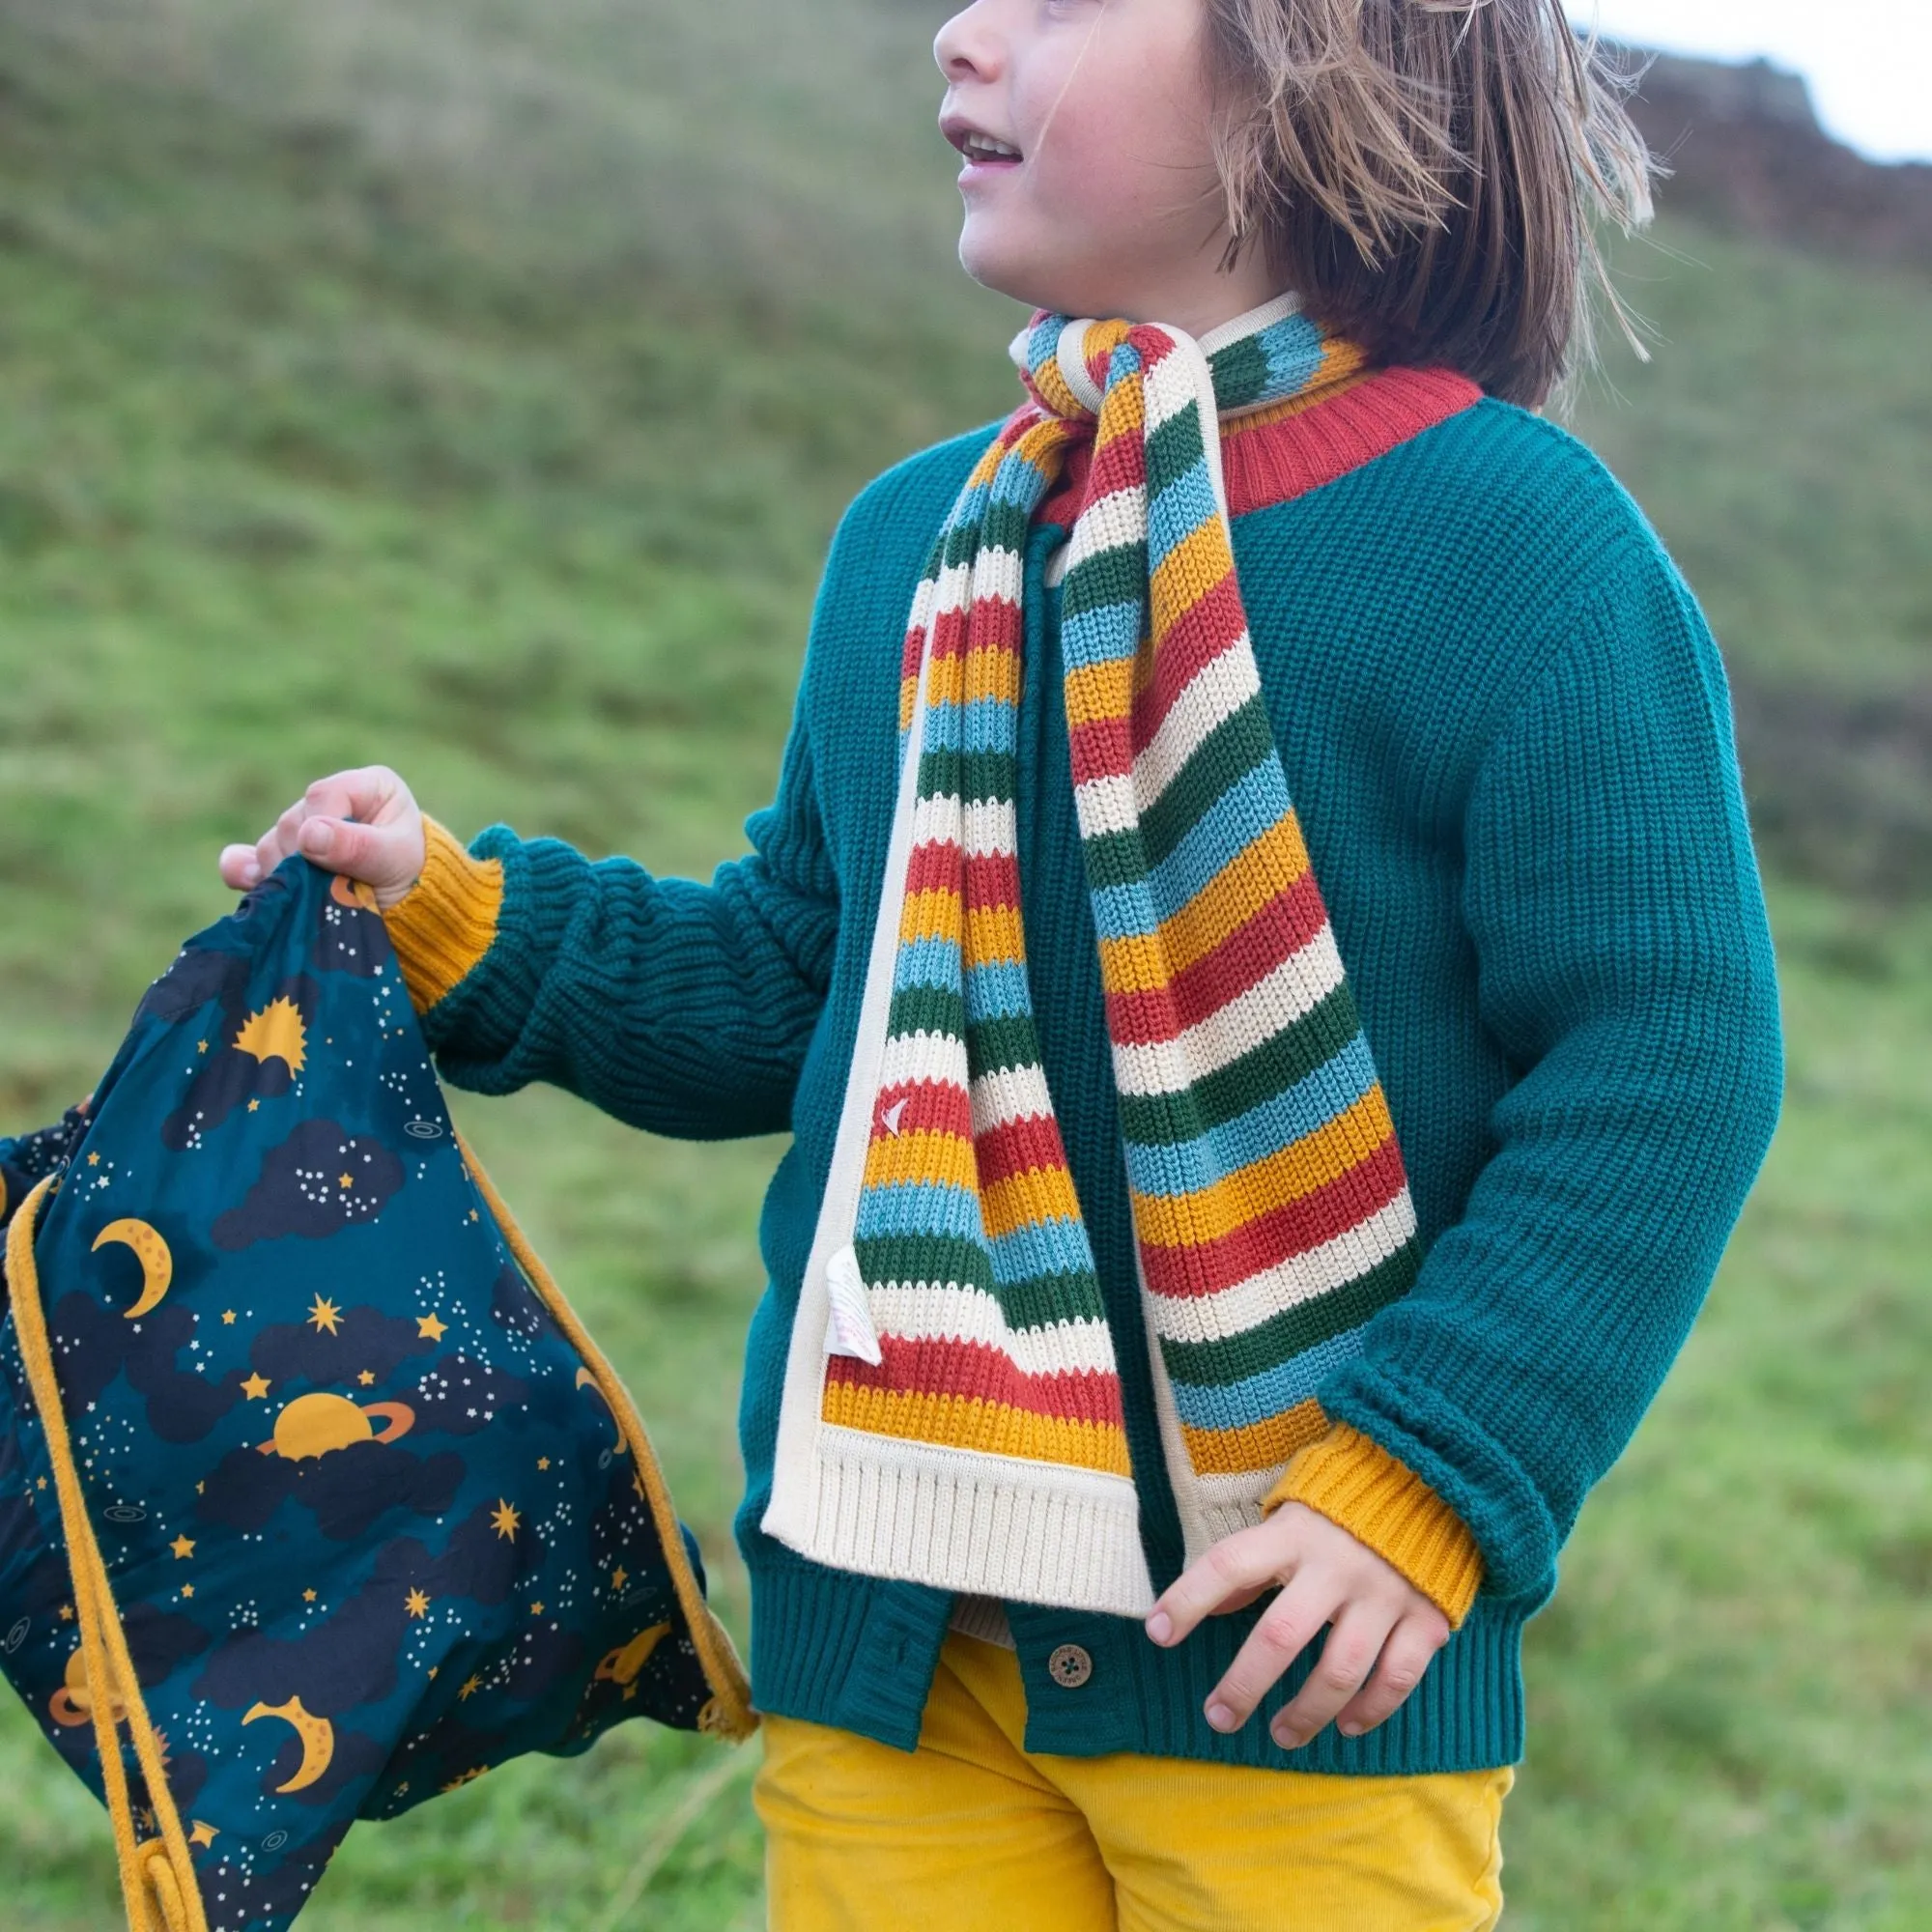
<point x="472" y="385"/>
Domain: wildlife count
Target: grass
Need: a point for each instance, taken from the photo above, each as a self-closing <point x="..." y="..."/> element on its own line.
<point x="473" y="387"/>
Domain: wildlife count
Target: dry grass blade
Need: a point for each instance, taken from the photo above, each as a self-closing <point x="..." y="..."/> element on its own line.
<point x="661" y="1842"/>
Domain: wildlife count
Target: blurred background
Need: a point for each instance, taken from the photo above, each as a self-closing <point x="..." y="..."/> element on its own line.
<point x="472" y="385"/>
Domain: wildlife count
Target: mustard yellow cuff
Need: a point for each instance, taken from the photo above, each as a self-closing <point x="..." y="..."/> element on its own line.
<point x="443" y="925"/>
<point x="1384" y="1503"/>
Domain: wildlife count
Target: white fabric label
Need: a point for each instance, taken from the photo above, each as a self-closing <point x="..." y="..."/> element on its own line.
<point x="848" y="1324"/>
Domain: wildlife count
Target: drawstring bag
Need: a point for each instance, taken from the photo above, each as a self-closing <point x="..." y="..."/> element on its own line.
<point x="316" y="1499"/>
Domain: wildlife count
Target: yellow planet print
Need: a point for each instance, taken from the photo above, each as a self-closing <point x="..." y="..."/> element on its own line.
<point x="275" y="1032"/>
<point x="346" y="892"/>
<point x="73" y="1702"/>
<point x="317" y="1735"/>
<point x="312" y="1424"/>
<point x="157" y="1265"/>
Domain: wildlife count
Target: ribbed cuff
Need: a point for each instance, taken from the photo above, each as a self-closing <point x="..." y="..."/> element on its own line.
<point x="1384" y="1503"/>
<point x="444" y="924"/>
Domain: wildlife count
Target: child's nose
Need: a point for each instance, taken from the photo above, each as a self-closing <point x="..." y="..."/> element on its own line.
<point x="967" y="48"/>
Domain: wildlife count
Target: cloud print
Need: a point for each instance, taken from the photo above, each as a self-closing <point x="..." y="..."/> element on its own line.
<point x="199" y="974"/>
<point x="350" y="1490"/>
<point x="462" y="1395"/>
<point x="321" y="1179"/>
<point x="94" y="1344"/>
<point x="363" y="1338"/>
<point x="229" y="1076"/>
<point x="516" y="1304"/>
<point x="349" y="1659"/>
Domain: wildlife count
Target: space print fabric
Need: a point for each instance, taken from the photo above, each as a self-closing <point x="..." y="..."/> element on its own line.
<point x="371" y="1514"/>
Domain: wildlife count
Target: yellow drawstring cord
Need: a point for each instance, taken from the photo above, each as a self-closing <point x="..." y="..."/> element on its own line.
<point x="157" y="1882"/>
<point x="729" y="1712"/>
<point x="156" y="1874"/>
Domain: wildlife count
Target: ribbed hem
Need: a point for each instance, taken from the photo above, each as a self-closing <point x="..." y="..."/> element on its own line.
<point x="857" y="1654"/>
<point x="955" y="1520"/>
<point x="444" y="924"/>
<point x="1356" y="1483"/>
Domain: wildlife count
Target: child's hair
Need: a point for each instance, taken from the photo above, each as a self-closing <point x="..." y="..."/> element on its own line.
<point x="1429" y="173"/>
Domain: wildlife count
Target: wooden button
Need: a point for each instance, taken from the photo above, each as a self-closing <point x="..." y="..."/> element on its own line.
<point x="1070" y="1666"/>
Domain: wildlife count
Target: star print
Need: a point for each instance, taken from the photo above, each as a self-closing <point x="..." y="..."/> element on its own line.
<point x="40" y="1482"/>
<point x="619" y="1576"/>
<point x="416" y="1604"/>
<point x="433" y="1669"/>
<point x="470" y="1686"/>
<point x="430" y="1328"/>
<point x="308" y="1596"/>
<point x="201" y="1046"/>
<point x="94" y="1160"/>
<point x="188" y="1589"/>
<point x="203" y="1834"/>
<point x="543" y="1462"/>
<point x="536" y="1609"/>
<point x="629" y="1692"/>
<point x="344" y="1181"/>
<point x="182" y="1546"/>
<point x="324" y="1315"/>
<point x="256" y="1386"/>
<point x="367" y="1376"/>
<point x="228" y="1318"/>
<point x="504" y="1519"/>
<point x="199" y="1487"/>
<point x="472" y="1214"/>
<point x="254" y="1106"/>
<point x="67" y="1613"/>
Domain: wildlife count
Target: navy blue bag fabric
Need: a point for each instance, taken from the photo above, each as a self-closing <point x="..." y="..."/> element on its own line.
<point x="374" y="1513"/>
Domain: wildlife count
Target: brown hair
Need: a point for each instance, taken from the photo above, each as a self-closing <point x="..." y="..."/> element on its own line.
<point x="1429" y="173"/>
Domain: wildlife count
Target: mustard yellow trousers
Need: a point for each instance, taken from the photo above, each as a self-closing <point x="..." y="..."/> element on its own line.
<point x="973" y="1833"/>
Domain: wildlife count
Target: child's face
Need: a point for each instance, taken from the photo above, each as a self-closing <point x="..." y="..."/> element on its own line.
<point x="1106" y="201"/>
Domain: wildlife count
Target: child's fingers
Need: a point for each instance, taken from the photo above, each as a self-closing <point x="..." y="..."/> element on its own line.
<point x="1354" y="1644"/>
<point x="1234" y="1570"/>
<point x="1404" y="1657"/>
<point x="362" y="851"/>
<point x="1281" y="1635"/>
<point x="368" y="794"/>
<point x="241" y="867"/>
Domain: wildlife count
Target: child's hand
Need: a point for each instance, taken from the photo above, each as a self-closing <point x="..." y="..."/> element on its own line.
<point x="1381" y="1624"/>
<point x="383" y="848"/>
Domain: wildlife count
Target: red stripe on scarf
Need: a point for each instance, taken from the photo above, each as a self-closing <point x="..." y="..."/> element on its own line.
<point x="1248" y="954"/>
<point x="1271" y="1239"/>
<point x="977" y="1373"/>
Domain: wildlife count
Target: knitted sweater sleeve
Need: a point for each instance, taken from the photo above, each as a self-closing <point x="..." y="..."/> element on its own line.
<point x="1625" y="969"/>
<point x="680" y="1007"/>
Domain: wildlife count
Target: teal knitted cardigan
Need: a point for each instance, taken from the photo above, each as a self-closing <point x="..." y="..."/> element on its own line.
<point x="1507" y="731"/>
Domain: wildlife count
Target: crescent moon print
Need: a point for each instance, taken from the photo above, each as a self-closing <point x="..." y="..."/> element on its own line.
<point x="317" y="1735"/>
<point x="622" y="1665"/>
<point x="157" y="1265"/>
<point x="586" y="1379"/>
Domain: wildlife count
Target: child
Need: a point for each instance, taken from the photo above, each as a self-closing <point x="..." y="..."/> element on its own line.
<point x="1198" y="1302"/>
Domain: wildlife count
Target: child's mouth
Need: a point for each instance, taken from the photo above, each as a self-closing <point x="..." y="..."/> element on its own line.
<point x="981" y="149"/>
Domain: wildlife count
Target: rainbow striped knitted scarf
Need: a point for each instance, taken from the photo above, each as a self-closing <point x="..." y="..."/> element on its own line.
<point x="953" y="1409"/>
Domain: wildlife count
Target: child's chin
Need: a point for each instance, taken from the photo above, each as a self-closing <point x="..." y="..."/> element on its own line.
<point x="1004" y="264"/>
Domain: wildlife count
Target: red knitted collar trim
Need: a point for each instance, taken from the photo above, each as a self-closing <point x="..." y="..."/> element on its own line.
<point x="1277" y="457"/>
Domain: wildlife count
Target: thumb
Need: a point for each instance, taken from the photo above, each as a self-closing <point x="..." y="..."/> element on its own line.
<point x="375" y="853"/>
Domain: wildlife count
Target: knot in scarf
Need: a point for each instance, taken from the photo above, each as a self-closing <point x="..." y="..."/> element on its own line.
<point x="953" y="1410"/>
